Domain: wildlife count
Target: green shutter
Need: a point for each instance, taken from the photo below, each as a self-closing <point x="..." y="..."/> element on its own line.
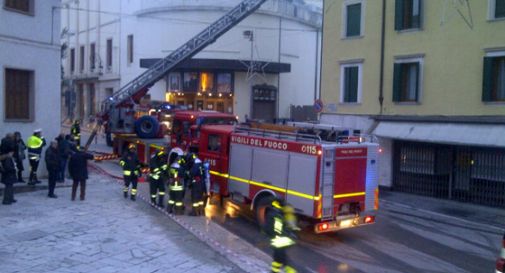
<point x="487" y="81"/>
<point x="353" y="20"/>
<point x="399" y="14"/>
<point x="418" y="72"/>
<point x="353" y="84"/>
<point x="499" y="10"/>
<point x="347" y="76"/>
<point x="397" y="82"/>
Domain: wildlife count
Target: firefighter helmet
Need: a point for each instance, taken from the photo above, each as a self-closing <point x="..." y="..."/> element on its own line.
<point x="131" y="146"/>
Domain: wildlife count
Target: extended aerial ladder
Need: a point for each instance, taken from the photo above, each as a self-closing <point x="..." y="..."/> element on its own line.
<point x="138" y="87"/>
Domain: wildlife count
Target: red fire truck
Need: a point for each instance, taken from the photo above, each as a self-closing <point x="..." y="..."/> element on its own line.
<point x="334" y="184"/>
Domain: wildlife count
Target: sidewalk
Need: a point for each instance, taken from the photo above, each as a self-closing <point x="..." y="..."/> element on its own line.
<point x="105" y="233"/>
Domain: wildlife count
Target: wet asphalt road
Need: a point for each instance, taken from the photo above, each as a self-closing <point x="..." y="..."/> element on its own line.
<point x="400" y="241"/>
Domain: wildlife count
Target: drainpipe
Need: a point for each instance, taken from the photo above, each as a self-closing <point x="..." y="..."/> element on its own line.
<point x="381" y="78"/>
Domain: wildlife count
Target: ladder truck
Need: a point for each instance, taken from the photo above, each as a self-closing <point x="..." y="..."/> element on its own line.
<point x="117" y="111"/>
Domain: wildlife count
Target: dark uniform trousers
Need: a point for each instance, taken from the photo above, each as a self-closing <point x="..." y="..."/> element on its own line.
<point x="157" y="189"/>
<point x="133" y="180"/>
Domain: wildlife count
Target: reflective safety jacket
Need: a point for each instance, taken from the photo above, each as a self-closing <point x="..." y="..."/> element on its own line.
<point x="175" y="181"/>
<point x="34" y="145"/>
<point x="158" y="167"/>
<point x="130" y="163"/>
<point x="279" y="231"/>
<point x="75" y="131"/>
<point x="197" y="174"/>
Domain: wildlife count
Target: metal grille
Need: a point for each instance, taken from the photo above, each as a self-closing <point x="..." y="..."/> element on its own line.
<point x="463" y="173"/>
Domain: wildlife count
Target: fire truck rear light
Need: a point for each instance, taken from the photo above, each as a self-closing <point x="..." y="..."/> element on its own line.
<point x="319" y="152"/>
<point x="369" y="219"/>
<point x="323" y="226"/>
<point x="380" y="150"/>
<point x="192" y="117"/>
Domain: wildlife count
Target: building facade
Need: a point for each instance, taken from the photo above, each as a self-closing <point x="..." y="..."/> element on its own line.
<point x="428" y="78"/>
<point x="30" y="67"/>
<point x="257" y="69"/>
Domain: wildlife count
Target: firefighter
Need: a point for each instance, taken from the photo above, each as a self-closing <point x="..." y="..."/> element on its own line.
<point x="281" y="227"/>
<point x="175" y="183"/>
<point x="75" y="131"/>
<point x="35" y="143"/>
<point x="131" y="171"/>
<point x="197" y="185"/>
<point x="158" y="170"/>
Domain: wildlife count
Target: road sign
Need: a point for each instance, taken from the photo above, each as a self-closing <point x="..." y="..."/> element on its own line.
<point x="318" y="106"/>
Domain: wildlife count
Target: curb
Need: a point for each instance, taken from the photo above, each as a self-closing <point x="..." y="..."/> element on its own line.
<point x="215" y="245"/>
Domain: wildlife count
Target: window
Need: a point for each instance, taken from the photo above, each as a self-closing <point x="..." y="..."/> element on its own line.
<point x="407" y="80"/>
<point x="18" y="94"/>
<point x="353" y="19"/>
<point x="92" y="56"/>
<point x="81" y="59"/>
<point x="214" y="144"/>
<point x="350" y="83"/>
<point x="130" y="48"/>
<point x="496" y="9"/>
<point x="494" y="79"/>
<point x="206" y="82"/>
<point x="72" y="60"/>
<point x="24" y="6"/>
<point x="174" y="82"/>
<point x="190" y="82"/>
<point x="109" y="54"/>
<point x="224" y="82"/>
<point x="92" y="100"/>
<point x="407" y="14"/>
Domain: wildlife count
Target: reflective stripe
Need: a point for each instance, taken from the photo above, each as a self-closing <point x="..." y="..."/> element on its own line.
<point x="201" y="203"/>
<point x="176" y="188"/>
<point x="289" y="269"/>
<point x="127" y="173"/>
<point x="278" y="225"/>
<point x="156" y="170"/>
<point x="352" y="194"/>
<point x="125" y="189"/>
<point x="155" y="176"/>
<point x="171" y="202"/>
<point x="255" y="183"/>
<point x="136" y="172"/>
<point x="195" y="205"/>
<point x="122" y="163"/>
<point x="276" y="264"/>
<point x="283" y="241"/>
<point x="161" y="193"/>
<point x="164" y="167"/>
<point x="153" y="195"/>
<point x="178" y="204"/>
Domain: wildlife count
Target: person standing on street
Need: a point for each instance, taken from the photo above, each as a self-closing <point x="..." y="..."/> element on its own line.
<point x="131" y="171"/>
<point x="197" y="185"/>
<point x="281" y="227"/>
<point x="78" y="169"/>
<point x="19" y="155"/>
<point x="158" y="171"/>
<point x="75" y="131"/>
<point x="175" y="183"/>
<point x="64" y="151"/>
<point x="8" y="170"/>
<point x="35" y="144"/>
<point x="52" y="158"/>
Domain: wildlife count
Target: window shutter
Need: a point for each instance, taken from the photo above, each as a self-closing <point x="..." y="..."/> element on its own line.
<point x="353" y="20"/>
<point x="353" y="84"/>
<point x="417" y="67"/>
<point x="399" y="14"/>
<point x="487" y="81"/>
<point x="347" y="84"/>
<point x="397" y="82"/>
<point x="499" y="11"/>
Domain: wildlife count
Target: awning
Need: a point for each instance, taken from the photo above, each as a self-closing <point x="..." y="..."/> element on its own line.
<point x="447" y="133"/>
<point x="224" y="65"/>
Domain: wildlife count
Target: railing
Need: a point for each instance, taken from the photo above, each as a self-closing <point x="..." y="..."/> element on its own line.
<point x="277" y="134"/>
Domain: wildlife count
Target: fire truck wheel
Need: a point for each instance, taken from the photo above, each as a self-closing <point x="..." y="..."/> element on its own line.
<point x="261" y="208"/>
<point x="147" y="127"/>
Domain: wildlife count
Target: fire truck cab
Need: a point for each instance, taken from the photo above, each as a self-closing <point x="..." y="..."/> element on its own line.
<point x="186" y="126"/>
<point x="334" y="184"/>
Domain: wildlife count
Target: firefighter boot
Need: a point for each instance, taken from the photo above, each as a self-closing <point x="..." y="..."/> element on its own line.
<point x="132" y="197"/>
<point x="170" y="208"/>
<point x="153" y="201"/>
<point x="125" y="194"/>
<point x="160" y="201"/>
